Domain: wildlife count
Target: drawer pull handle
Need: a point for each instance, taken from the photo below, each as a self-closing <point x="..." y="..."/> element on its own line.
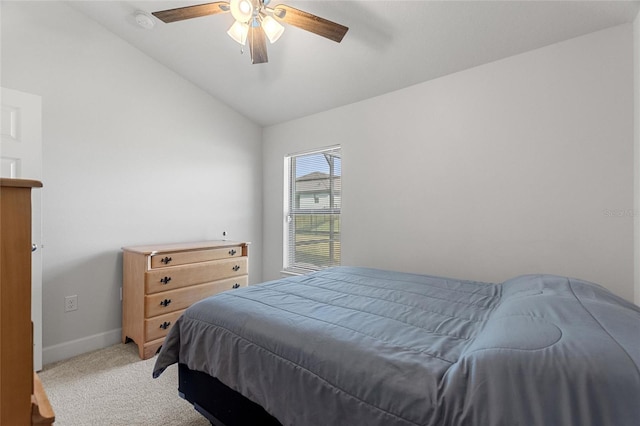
<point x="235" y="268"/>
<point x="232" y="252"/>
<point x="166" y="260"/>
<point x="165" y="325"/>
<point x="165" y="302"/>
<point x="165" y="280"/>
<point x="236" y="285"/>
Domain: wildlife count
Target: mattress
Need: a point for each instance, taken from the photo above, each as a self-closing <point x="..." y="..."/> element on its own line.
<point x="359" y="346"/>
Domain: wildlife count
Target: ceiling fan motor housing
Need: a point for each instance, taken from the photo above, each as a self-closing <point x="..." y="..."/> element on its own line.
<point x="242" y="10"/>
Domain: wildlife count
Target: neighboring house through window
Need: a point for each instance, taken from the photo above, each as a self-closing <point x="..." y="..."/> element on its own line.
<point x="312" y="237"/>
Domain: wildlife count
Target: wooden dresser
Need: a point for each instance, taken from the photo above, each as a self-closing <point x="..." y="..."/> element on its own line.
<point x="22" y="397"/>
<point x="161" y="281"/>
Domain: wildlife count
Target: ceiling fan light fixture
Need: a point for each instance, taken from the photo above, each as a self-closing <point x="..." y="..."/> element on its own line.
<point x="272" y="28"/>
<point x="254" y="22"/>
<point x="242" y="10"/>
<point x="238" y="32"/>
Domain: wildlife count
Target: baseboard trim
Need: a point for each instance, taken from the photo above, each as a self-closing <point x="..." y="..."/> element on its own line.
<point x="80" y="346"/>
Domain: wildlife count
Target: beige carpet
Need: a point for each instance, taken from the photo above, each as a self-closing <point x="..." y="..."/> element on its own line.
<point x="113" y="387"/>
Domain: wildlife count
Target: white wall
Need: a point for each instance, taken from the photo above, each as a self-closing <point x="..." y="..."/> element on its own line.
<point x="636" y="145"/>
<point x="524" y="165"/>
<point x="132" y="154"/>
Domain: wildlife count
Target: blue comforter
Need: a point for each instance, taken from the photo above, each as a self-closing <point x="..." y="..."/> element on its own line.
<point x="356" y="346"/>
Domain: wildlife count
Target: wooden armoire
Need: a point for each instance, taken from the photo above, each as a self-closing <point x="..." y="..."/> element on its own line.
<point x="22" y="397"/>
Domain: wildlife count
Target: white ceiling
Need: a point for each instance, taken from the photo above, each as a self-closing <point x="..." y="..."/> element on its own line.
<point x="390" y="45"/>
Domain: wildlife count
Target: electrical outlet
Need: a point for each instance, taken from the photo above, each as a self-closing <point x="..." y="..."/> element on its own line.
<point x="71" y="303"/>
<point x="224" y="235"/>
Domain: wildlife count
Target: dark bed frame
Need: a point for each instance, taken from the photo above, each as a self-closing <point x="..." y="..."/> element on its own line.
<point x="221" y="405"/>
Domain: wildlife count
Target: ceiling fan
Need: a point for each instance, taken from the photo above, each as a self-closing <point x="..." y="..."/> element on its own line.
<point x="254" y="20"/>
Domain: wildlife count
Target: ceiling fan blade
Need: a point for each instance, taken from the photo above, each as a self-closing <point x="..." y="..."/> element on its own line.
<point x="188" y="12"/>
<point x="307" y="21"/>
<point x="257" y="45"/>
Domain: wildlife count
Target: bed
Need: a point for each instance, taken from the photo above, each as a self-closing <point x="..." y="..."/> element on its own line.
<point x="359" y="346"/>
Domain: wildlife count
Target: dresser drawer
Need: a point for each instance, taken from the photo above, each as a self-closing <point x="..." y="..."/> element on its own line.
<point x="165" y="279"/>
<point x="164" y="260"/>
<point x="159" y="326"/>
<point x="174" y="300"/>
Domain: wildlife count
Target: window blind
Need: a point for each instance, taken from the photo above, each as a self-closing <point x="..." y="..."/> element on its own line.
<point x="314" y="210"/>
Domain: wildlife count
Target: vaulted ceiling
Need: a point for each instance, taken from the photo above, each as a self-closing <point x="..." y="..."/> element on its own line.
<point x="390" y="45"/>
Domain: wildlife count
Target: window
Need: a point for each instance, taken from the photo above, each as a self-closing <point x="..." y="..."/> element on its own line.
<point x="313" y="196"/>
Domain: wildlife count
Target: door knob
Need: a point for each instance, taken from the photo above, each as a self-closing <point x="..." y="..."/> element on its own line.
<point x="34" y="247"/>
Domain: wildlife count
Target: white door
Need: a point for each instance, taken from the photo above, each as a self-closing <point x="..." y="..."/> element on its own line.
<point x="21" y="157"/>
